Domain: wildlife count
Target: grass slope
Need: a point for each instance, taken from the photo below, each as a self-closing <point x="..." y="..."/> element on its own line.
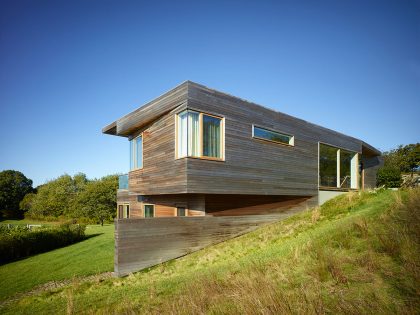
<point x="357" y="254"/>
<point x="91" y="256"/>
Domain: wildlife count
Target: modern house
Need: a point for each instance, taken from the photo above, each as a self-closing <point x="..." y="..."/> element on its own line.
<point x="198" y="152"/>
<point x="195" y="151"/>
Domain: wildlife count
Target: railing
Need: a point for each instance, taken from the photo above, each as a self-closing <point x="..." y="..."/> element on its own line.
<point x="123" y="181"/>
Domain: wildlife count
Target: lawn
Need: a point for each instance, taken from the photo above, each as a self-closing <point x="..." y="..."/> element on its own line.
<point x="357" y="254"/>
<point x="91" y="256"/>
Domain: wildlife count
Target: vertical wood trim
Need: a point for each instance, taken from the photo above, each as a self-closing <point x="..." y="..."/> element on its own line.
<point x="200" y="135"/>
<point x="338" y="169"/>
<point x="318" y="164"/>
<point x="176" y="135"/>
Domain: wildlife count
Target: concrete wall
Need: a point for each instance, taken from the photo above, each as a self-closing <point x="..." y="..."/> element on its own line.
<point x="325" y="195"/>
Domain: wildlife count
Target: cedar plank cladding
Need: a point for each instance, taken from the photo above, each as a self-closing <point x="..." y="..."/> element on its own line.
<point x="146" y="114"/>
<point x="371" y="165"/>
<point x="142" y="243"/>
<point x="161" y="172"/>
<point x="254" y="166"/>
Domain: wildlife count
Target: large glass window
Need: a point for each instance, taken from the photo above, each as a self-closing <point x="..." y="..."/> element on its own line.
<point x="199" y="135"/>
<point x="337" y="167"/>
<point x="273" y="136"/>
<point x="136" y="153"/>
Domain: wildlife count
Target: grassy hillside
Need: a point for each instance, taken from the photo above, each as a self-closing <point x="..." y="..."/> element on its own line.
<point x="91" y="256"/>
<point x="357" y="254"/>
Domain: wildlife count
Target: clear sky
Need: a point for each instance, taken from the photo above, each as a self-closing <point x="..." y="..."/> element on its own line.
<point x="68" y="68"/>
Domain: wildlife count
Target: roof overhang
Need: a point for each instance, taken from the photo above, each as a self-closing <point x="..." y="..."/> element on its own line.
<point x="149" y="112"/>
<point x="367" y="149"/>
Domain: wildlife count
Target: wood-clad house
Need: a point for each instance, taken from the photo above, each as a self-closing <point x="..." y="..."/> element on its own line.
<point x="195" y="151"/>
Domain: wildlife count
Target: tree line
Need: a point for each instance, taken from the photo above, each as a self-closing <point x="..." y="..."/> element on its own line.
<point x="405" y="159"/>
<point x="65" y="197"/>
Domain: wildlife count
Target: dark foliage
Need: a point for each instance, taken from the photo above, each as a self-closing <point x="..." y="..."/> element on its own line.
<point x="19" y="241"/>
<point x="390" y="177"/>
<point x="13" y="188"/>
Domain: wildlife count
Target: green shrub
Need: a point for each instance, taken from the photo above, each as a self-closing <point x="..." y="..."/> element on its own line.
<point x="389" y="177"/>
<point x="19" y="241"/>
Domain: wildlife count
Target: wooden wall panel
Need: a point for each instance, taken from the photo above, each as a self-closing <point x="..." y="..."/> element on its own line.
<point x="231" y="205"/>
<point x="141" y="243"/>
<point x="251" y="166"/>
<point x="161" y="172"/>
<point x="254" y="166"/>
<point x="371" y="164"/>
<point x="148" y="113"/>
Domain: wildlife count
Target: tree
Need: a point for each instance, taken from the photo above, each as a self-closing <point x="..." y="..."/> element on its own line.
<point x="26" y="203"/>
<point x="405" y="158"/>
<point x="98" y="199"/>
<point x="55" y="198"/>
<point x="389" y="176"/>
<point x="13" y="188"/>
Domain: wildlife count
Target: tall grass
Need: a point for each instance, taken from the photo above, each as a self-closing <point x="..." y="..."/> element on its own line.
<point x="357" y="254"/>
<point x="369" y="265"/>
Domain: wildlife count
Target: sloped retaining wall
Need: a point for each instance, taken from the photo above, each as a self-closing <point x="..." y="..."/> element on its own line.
<point x="142" y="243"/>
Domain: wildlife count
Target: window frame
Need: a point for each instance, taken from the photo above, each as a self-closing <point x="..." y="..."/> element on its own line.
<point x="200" y="136"/>
<point x="133" y="154"/>
<point x="185" y="211"/>
<point x="291" y="141"/>
<point x="123" y="206"/>
<point x="144" y="210"/>
<point x="357" y="156"/>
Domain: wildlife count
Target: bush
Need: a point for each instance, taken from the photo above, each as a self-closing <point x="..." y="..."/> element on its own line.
<point x="390" y="177"/>
<point x="19" y="241"/>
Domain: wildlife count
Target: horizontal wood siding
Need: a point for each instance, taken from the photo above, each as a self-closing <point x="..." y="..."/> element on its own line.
<point x="371" y="164"/>
<point x="165" y="205"/>
<point x="141" y="243"/>
<point x="161" y="172"/>
<point x="230" y="205"/>
<point x="148" y="113"/>
<point x="255" y="166"/>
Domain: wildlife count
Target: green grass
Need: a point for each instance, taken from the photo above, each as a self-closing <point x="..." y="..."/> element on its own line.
<point x="91" y="256"/>
<point x="358" y="254"/>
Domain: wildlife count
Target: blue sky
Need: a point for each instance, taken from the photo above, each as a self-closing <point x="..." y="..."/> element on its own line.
<point x="68" y="68"/>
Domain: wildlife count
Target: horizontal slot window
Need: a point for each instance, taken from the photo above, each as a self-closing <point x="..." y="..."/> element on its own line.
<point x="273" y="136"/>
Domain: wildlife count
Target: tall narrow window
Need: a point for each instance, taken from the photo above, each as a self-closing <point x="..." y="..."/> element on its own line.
<point x="199" y="135"/>
<point x="345" y="168"/>
<point x="327" y="166"/>
<point x="180" y="211"/>
<point x="136" y="153"/>
<point x="188" y="134"/>
<point x="212" y="136"/>
<point x="149" y="211"/>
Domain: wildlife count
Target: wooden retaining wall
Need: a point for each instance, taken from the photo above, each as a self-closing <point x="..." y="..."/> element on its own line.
<point x="142" y="243"/>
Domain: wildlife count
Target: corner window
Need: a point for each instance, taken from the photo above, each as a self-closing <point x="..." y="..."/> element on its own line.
<point x="149" y="211"/>
<point x="136" y="153"/>
<point x="273" y="136"/>
<point x="338" y="168"/>
<point x="199" y="135"/>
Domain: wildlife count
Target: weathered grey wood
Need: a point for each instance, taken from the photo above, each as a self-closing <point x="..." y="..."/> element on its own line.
<point x="251" y="166"/>
<point x="142" y="243"/>
<point x="371" y="164"/>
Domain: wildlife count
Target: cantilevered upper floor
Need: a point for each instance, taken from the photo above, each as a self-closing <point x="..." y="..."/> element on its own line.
<point x="196" y="140"/>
